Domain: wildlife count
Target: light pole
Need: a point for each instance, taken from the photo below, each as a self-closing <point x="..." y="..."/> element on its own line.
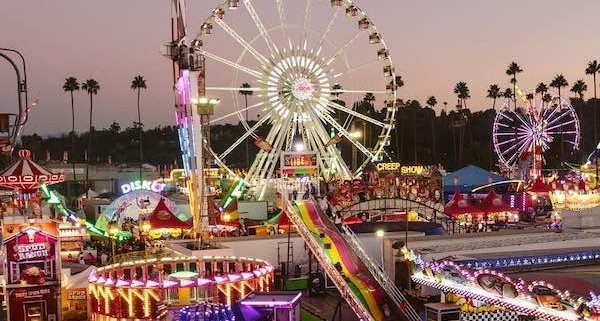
<point x="23" y="114"/>
<point x="113" y="231"/>
<point x="355" y="134"/>
<point x="205" y="108"/>
<point x="381" y="234"/>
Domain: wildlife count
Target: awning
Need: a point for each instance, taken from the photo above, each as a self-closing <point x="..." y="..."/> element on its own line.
<point x="162" y="217"/>
<point x="493" y="204"/>
<point x="459" y="206"/>
<point x="26" y="175"/>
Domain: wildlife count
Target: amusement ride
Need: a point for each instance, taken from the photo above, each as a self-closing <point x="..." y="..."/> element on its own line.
<point x="524" y="131"/>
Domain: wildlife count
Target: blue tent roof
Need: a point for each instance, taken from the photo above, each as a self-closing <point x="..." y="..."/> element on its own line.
<point x="469" y="178"/>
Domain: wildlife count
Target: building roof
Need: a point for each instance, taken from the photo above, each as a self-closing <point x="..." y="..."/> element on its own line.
<point x="468" y="178"/>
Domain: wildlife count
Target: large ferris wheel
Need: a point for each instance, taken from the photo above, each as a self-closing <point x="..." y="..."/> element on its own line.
<point x="301" y="59"/>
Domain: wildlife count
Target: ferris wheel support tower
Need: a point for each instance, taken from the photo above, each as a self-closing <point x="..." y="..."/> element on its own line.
<point x="191" y="107"/>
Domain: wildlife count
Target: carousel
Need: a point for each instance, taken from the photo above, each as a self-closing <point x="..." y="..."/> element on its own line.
<point x="24" y="178"/>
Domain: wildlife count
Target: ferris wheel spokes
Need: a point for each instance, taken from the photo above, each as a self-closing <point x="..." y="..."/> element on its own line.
<point x="355" y="113"/>
<point x="241" y="41"/>
<point x="245" y="135"/>
<point x="230" y="63"/>
<point x="261" y="27"/>
<point x="328" y="28"/>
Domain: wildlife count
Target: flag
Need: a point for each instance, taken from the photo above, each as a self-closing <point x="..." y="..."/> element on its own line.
<point x="263" y="144"/>
<point x="334" y="140"/>
<point x="101" y="222"/>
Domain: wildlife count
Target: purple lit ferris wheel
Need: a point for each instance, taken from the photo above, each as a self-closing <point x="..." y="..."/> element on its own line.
<point x="532" y="128"/>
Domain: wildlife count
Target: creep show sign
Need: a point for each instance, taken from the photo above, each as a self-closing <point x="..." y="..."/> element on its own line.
<point x="407" y="170"/>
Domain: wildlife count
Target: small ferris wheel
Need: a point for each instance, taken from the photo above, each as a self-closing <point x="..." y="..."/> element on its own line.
<point x="529" y="130"/>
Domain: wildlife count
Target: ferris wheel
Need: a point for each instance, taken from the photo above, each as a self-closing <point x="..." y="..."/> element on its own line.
<point x="302" y="60"/>
<point x="533" y="127"/>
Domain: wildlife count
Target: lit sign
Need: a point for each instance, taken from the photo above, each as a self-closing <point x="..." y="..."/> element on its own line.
<point x="299" y="160"/>
<point x="404" y="169"/>
<point x="32" y="251"/>
<point x="76" y="295"/>
<point x="145" y="185"/>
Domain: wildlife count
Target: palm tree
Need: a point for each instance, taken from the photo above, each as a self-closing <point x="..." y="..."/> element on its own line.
<point x="593" y="68"/>
<point x="512" y="70"/>
<point x="494" y="93"/>
<point x="246" y="93"/>
<point x="558" y="82"/>
<point x="508" y="93"/>
<point x="541" y="90"/>
<point x="431" y="102"/>
<point x="92" y="87"/>
<point x="71" y="84"/>
<point x="399" y="141"/>
<point x="369" y="111"/>
<point x="463" y="93"/>
<point x="579" y="87"/>
<point x="138" y="83"/>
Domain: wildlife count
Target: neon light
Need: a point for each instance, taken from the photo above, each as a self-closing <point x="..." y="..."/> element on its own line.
<point x="169" y="283"/>
<point x="151" y="284"/>
<point x="156" y="187"/>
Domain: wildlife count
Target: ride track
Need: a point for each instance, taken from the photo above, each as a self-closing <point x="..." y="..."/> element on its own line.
<point x="357" y="285"/>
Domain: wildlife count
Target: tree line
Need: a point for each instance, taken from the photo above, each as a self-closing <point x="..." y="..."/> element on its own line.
<point x="425" y="133"/>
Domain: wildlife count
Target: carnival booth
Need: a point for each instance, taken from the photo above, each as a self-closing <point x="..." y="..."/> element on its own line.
<point x="460" y="209"/>
<point x="163" y="224"/>
<point x="495" y="210"/>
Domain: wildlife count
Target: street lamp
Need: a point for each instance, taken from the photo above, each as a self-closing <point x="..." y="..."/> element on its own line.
<point x="113" y="231"/>
<point x="381" y="234"/>
<point x="355" y="135"/>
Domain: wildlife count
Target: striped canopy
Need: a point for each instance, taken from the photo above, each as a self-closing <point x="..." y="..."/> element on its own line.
<point x="26" y="175"/>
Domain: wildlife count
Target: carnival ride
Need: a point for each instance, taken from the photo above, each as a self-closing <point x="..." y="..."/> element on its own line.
<point x="362" y="283"/>
<point x="136" y="286"/>
<point x="539" y="299"/>
<point x="296" y="73"/>
<point x="523" y="134"/>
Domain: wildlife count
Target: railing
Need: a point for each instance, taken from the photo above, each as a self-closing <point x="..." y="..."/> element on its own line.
<point x="382" y="278"/>
<point x="426" y="211"/>
<point x="333" y="274"/>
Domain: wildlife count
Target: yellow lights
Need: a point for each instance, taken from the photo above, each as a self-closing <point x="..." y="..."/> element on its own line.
<point x="146" y="226"/>
<point x="206" y="101"/>
<point x="380" y="233"/>
<point x="113" y="229"/>
<point x="356" y="134"/>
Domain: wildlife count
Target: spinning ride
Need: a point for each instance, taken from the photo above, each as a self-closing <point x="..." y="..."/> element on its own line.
<point x="521" y="136"/>
<point x="297" y="69"/>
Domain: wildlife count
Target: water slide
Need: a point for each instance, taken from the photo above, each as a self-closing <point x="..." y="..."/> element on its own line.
<point x="359" y="283"/>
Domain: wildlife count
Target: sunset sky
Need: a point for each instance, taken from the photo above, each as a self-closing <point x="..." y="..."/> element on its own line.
<point x="434" y="44"/>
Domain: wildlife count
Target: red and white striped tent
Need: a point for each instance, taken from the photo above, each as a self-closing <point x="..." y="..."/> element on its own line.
<point x="26" y="175"/>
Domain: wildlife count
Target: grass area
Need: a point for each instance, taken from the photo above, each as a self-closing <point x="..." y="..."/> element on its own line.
<point x="307" y="316"/>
